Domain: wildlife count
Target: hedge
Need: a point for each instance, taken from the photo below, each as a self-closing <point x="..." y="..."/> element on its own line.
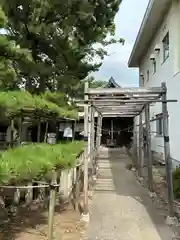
<point x="36" y="160"/>
<point x="13" y="103"/>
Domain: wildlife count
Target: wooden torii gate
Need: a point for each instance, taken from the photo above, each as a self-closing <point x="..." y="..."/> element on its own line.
<point x="126" y="102"/>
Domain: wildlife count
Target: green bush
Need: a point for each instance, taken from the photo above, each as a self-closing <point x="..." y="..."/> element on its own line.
<point x="13" y="102"/>
<point x="176" y="183"/>
<point x="34" y="161"/>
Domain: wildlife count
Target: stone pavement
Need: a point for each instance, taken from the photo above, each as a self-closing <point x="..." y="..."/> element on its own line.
<point x="121" y="208"/>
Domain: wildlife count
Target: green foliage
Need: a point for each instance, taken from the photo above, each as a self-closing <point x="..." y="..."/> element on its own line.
<point x="10" y="55"/>
<point x="3" y="19"/>
<point x="97" y="84"/>
<point x="61" y="100"/>
<point x="61" y="36"/>
<point x="36" y="160"/>
<point x="78" y="90"/>
<point x="12" y="103"/>
<point x="176" y="183"/>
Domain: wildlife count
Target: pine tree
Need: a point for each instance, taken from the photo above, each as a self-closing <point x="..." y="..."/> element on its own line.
<point x="61" y="36"/>
<point x="10" y="55"/>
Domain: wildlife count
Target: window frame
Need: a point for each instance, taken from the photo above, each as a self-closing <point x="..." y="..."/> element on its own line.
<point x="165" y="43"/>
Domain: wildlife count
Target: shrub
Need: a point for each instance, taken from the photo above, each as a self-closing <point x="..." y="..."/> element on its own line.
<point x="34" y="161"/>
<point x="176" y="183"/>
<point x="13" y="102"/>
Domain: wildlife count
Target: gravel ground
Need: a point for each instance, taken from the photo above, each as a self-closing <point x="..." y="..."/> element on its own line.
<point x="121" y="208"/>
<point x="32" y="225"/>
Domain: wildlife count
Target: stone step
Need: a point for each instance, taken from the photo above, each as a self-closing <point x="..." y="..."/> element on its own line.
<point x="104" y="189"/>
<point x="104" y="186"/>
<point x="107" y="181"/>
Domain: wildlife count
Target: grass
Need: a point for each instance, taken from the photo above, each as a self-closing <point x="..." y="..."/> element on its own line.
<point x="12" y="103"/>
<point x="34" y="161"/>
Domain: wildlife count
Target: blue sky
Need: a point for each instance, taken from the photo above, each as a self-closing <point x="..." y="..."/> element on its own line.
<point x="128" y="21"/>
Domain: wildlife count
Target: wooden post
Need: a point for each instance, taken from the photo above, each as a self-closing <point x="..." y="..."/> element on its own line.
<point x="98" y="139"/>
<point x="93" y="128"/>
<point x="29" y="194"/>
<point x="16" y="196"/>
<point x="140" y="159"/>
<point x="39" y="131"/>
<point x="98" y="132"/>
<point x="12" y="132"/>
<point x="46" y="132"/>
<point x="60" y="173"/>
<point x="92" y="133"/>
<point x="86" y="157"/>
<point x="148" y="144"/>
<point x="16" y="200"/>
<point x="168" y="161"/>
<point x="41" y="195"/>
<point x="52" y="203"/>
<point x="56" y="129"/>
<point x="77" y="187"/>
<point x="134" y="144"/>
<point x="20" y="130"/>
<point x="93" y="148"/>
<point x="112" y="130"/>
<point x="90" y="148"/>
<point x="86" y="112"/>
<point x="73" y="130"/>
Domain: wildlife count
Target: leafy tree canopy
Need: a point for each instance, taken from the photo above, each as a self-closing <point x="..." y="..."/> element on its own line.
<point x="9" y="54"/>
<point x="61" y="36"/>
<point x="78" y="90"/>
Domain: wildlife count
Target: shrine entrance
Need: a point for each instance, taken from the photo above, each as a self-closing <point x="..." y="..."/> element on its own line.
<point x="117" y="131"/>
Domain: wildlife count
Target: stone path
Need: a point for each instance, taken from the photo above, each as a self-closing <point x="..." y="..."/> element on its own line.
<point x="121" y="208"/>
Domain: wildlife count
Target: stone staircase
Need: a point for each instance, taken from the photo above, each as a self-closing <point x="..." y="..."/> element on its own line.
<point x="105" y="177"/>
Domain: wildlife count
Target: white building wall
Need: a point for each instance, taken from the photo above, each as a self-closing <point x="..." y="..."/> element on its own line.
<point x="169" y="72"/>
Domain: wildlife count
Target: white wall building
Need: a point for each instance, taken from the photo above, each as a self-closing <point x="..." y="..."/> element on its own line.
<point x="157" y="55"/>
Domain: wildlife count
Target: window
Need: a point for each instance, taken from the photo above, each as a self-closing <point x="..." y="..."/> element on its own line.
<point x="165" y="42"/>
<point x="159" y="124"/>
<point x="154" y="66"/>
<point x="147" y="75"/>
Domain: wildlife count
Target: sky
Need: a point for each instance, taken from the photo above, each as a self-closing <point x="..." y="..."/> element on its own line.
<point x="128" y="21"/>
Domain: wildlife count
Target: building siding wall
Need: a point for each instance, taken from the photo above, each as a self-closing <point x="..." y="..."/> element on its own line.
<point x="169" y="72"/>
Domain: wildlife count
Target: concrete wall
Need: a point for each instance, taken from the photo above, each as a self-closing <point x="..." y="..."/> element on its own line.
<point x="166" y="71"/>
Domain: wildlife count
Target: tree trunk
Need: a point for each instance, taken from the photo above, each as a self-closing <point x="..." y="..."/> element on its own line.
<point x="42" y="85"/>
<point x="29" y="85"/>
